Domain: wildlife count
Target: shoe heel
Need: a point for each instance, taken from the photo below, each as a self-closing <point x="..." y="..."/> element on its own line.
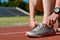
<point x="52" y="34"/>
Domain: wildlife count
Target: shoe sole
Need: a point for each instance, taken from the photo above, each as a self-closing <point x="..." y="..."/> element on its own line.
<point x="36" y="36"/>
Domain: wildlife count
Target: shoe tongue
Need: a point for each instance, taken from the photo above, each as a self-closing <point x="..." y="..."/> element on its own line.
<point x="38" y="27"/>
<point x="42" y="25"/>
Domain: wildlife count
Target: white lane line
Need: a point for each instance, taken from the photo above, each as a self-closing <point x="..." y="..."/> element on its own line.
<point x="9" y="33"/>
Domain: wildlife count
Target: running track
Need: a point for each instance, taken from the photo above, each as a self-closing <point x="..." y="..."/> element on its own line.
<point x="17" y="33"/>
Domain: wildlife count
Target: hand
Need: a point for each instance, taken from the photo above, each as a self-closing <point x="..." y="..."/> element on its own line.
<point x="52" y="19"/>
<point x="33" y="23"/>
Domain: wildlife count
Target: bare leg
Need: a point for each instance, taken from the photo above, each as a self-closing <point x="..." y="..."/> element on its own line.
<point x="32" y="4"/>
<point x="48" y="6"/>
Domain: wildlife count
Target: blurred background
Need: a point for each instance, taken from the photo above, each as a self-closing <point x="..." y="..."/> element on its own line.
<point x="16" y="12"/>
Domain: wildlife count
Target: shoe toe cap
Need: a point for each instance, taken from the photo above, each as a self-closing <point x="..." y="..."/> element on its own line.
<point x="29" y="34"/>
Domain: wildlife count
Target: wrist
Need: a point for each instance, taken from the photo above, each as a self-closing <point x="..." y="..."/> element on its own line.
<point x="32" y="19"/>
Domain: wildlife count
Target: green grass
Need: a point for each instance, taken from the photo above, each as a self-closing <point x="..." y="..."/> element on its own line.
<point x="9" y="21"/>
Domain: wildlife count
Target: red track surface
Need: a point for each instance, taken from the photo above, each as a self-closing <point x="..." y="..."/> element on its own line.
<point x="17" y="33"/>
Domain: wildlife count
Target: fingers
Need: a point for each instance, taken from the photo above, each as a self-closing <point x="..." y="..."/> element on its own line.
<point x="51" y="20"/>
<point x="36" y="23"/>
<point x="33" y="24"/>
<point x="48" y="21"/>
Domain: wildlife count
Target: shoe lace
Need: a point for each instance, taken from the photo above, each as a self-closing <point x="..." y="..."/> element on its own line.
<point x="39" y="27"/>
